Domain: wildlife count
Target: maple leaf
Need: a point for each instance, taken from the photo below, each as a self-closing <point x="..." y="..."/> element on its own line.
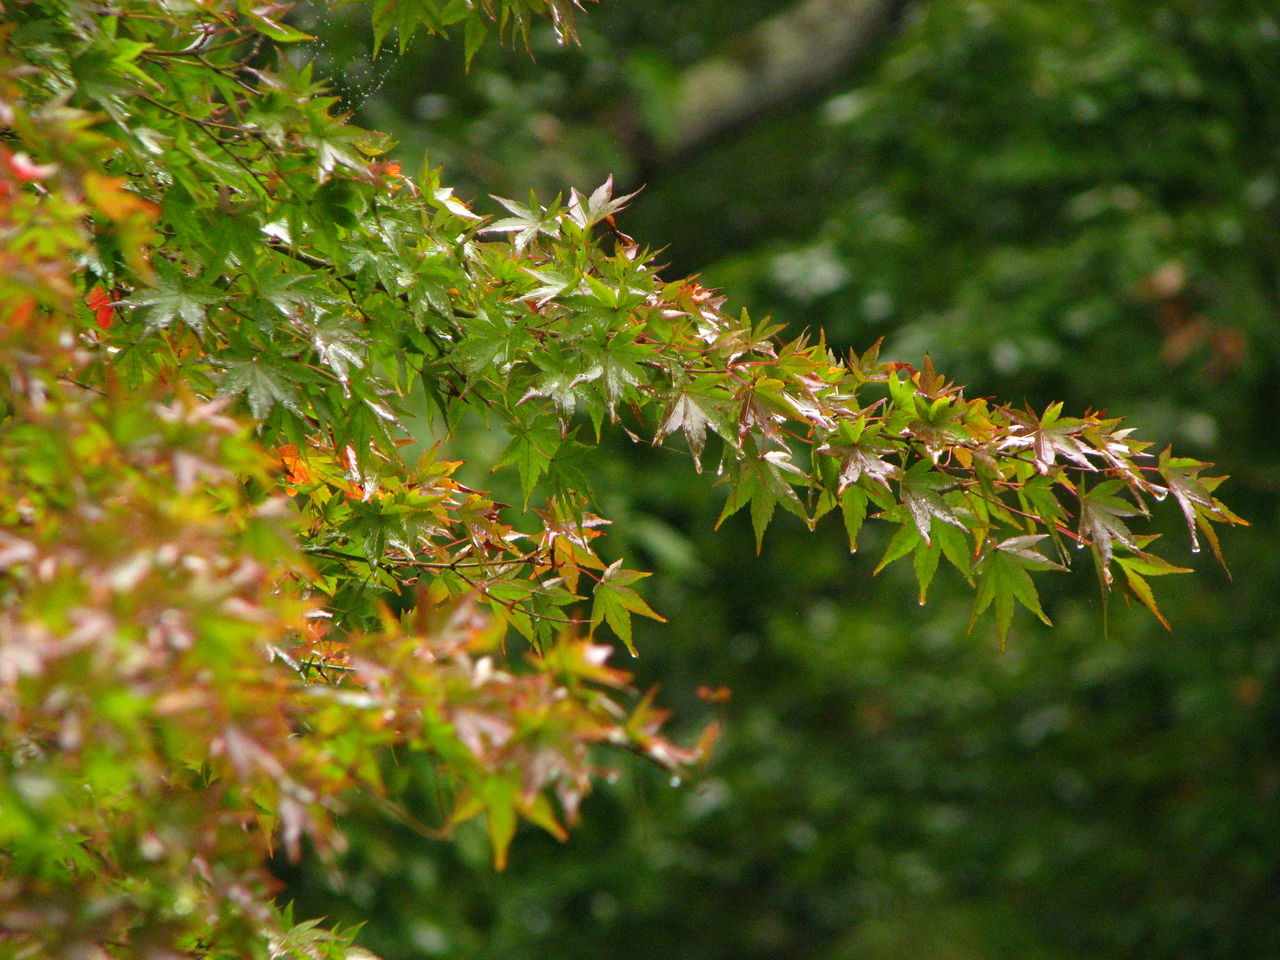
<point x="566" y="543"/>
<point x="1112" y="445"/>
<point x="490" y="345"/>
<point x="1003" y="580"/>
<point x="602" y="204"/>
<point x="287" y="293"/>
<point x="170" y="300"/>
<point x="1102" y="524"/>
<point x="551" y="285"/>
<point x="858" y="460"/>
<point x="1137" y="568"/>
<point x="619" y="366"/>
<point x="853" y="510"/>
<point x="526" y="222"/>
<point x="262" y="18"/>
<point x="100" y="302"/>
<point x="443" y="197"/>
<point x="24" y="168"/>
<point x="339" y="346"/>
<point x="949" y="542"/>
<point x="761" y="481"/>
<point x="562" y="19"/>
<point x="932" y="383"/>
<point x="1195" y="498"/>
<point x="920" y="494"/>
<point x="336" y="144"/>
<point x="530" y="451"/>
<point x="1048" y="438"/>
<point x="560" y="386"/>
<point x="262" y="383"/>
<point x="111" y="196"/>
<point x="296" y="472"/>
<point x="685" y="414"/>
<point x="615" y="601"/>
<point x="759" y="408"/>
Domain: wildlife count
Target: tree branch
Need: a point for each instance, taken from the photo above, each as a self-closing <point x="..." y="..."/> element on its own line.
<point x="781" y="59"/>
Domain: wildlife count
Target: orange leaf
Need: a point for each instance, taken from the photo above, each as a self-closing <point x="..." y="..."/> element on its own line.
<point x="111" y="198"/>
<point x="100" y="301"/>
<point x="295" y="470"/>
<point x="717" y="695"/>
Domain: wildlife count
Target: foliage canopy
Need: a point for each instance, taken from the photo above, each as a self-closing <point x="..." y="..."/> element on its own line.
<point x="226" y="594"/>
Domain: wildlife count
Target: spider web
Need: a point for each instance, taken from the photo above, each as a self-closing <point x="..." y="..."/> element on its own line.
<point x="359" y="78"/>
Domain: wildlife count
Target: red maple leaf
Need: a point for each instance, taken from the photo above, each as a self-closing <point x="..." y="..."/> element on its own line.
<point x="100" y="301"/>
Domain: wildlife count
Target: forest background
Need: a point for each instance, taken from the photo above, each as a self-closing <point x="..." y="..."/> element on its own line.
<point x="1056" y="201"/>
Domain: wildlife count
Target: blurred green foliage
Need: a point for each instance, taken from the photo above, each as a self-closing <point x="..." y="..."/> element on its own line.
<point x="1057" y="200"/>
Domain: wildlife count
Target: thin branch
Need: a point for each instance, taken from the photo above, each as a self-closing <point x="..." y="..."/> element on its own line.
<point x="789" y="56"/>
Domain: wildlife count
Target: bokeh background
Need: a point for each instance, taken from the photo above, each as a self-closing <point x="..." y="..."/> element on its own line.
<point x="1071" y="200"/>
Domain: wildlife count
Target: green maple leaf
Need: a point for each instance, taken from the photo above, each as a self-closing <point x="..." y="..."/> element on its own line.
<point x="280" y="32"/>
<point x="853" y="510"/>
<point x="614" y="602"/>
<point x="339" y="347"/>
<point x="685" y="414"/>
<point x="170" y="300"/>
<point x="559" y="384"/>
<point x="1003" y="580"/>
<point x="526" y="222"/>
<point x="337" y="145"/>
<point x="551" y="285"/>
<point x="497" y="797"/>
<point x="474" y="35"/>
<point x="530" y="452"/>
<point x="1195" y="497"/>
<point x="287" y="292"/>
<point x="1102" y="524"/>
<point x="262" y="383"/>
<point x="921" y="497"/>
<point x="489" y="346"/>
<point x="1137" y="568"/>
<point x="949" y="542"/>
<point x="761" y="480"/>
<point x="620" y="366"/>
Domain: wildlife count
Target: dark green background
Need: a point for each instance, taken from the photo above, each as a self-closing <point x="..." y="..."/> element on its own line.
<point x="1057" y="200"/>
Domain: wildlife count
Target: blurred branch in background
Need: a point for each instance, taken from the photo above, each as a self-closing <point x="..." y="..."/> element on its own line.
<point x="789" y="56"/>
